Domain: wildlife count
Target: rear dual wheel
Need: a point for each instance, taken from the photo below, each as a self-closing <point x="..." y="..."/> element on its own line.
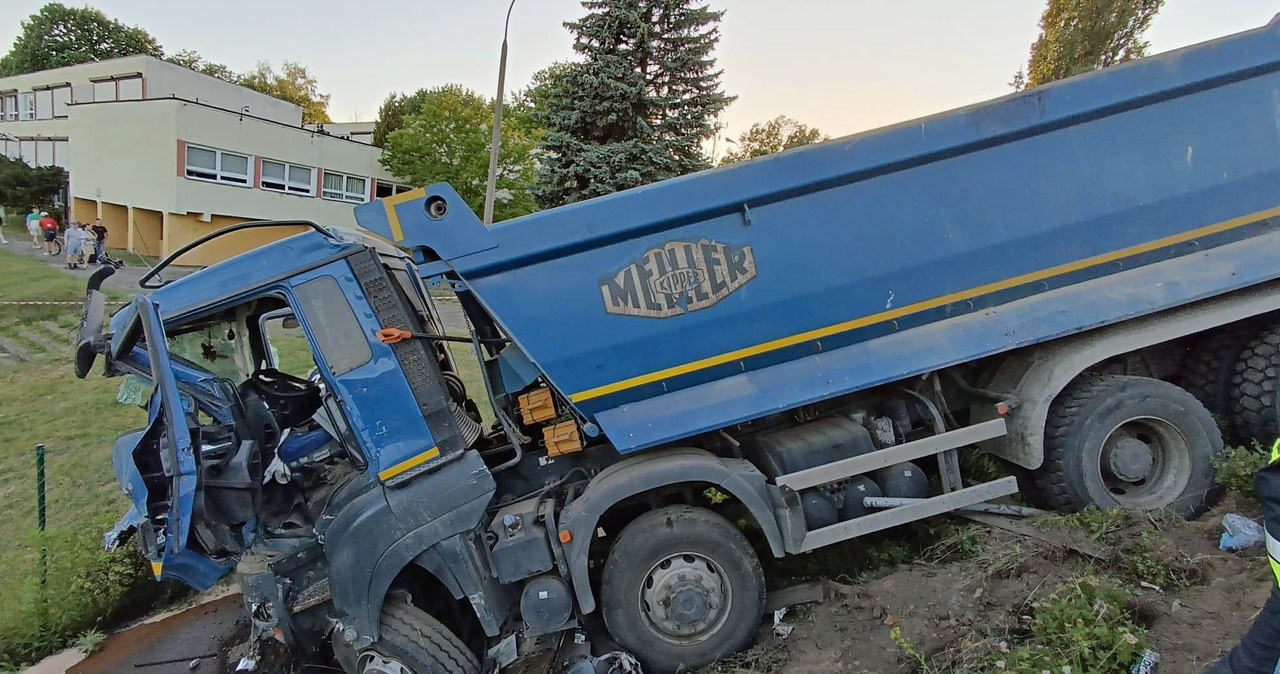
<point x="1134" y="442"/>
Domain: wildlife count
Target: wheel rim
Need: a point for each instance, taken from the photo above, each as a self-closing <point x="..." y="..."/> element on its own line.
<point x="685" y="598"/>
<point x="377" y="663"/>
<point x="1144" y="462"/>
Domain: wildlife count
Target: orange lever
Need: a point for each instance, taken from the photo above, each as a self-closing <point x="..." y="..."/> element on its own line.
<point x="392" y="335"/>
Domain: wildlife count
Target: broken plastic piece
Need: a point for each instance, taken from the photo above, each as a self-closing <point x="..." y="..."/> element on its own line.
<point x="780" y="629"/>
<point x="248" y="663"/>
<point x="1241" y="533"/>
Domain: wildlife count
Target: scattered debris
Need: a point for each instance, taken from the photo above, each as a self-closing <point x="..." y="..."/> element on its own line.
<point x="1241" y="533"/>
<point x="1085" y="548"/>
<point x="1147" y="664"/>
<point x="796" y="595"/>
<point x="781" y="629"/>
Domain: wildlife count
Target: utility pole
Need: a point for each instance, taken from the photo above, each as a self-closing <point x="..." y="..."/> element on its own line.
<point x="492" y="185"/>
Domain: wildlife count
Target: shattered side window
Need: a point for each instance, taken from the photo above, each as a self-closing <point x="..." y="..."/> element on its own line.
<point x="333" y="325"/>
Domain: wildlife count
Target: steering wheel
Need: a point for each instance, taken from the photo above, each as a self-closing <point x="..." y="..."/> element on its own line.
<point x="292" y="399"/>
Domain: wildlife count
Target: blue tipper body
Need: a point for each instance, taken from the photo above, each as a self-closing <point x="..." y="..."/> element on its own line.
<point x="699" y="302"/>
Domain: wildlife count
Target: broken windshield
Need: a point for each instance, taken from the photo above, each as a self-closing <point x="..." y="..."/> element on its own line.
<point x="217" y="347"/>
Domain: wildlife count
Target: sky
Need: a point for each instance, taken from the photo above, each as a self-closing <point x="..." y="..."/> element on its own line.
<point x="841" y="65"/>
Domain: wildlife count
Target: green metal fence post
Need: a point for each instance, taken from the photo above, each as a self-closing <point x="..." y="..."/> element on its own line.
<point x="40" y="521"/>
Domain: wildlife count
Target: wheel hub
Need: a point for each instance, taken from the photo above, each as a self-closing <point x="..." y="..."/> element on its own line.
<point x="1145" y="462"/>
<point x="1130" y="459"/>
<point x="684" y="598"/>
<point x="376" y="663"/>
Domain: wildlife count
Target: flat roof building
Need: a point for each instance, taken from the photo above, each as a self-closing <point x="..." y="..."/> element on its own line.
<point x="164" y="155"/>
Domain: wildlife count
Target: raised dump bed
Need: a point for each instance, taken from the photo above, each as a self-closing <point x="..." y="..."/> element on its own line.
<point x="694" y="303"/>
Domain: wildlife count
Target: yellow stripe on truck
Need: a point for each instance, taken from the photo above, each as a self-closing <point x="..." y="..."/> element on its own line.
<point x="924" y="305"/>
<point x="410" y="463"/>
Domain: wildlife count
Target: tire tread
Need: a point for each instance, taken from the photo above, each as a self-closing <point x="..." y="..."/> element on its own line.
<point x="404" y="622"/>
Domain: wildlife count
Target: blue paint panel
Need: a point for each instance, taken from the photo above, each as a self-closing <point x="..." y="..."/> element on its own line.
<point x="858" y="226"/>
<point x="238" y="276"/>
<point x="376" y="396"/>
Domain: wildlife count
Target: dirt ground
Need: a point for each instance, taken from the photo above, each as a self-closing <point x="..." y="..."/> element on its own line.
<point x="950" y="611"/>
<point x="954" y="612"/>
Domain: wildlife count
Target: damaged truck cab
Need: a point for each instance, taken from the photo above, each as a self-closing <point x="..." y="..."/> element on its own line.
<point x="1074" y="279"/>
<point x="286" y="438"/>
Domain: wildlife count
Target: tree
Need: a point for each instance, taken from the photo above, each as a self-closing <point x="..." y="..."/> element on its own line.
<point x="447" y="140"/>
<point x="23" y="187"/>
<point x="393" y="112"/>
<point x="639" y="105"/>
<point x="778" y="134"/>
<point x="294" y="83"/>
<point x="1077" y="36"/>
<point x="194" y="61"/>
<point x="529" y="105"/>
<point x="58" y="36"/>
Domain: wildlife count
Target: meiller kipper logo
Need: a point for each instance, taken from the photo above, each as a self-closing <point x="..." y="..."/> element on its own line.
<point x="676" y="278"/>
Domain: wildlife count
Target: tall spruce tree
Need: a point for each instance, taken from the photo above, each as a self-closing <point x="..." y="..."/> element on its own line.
<point x="638" y="106"/>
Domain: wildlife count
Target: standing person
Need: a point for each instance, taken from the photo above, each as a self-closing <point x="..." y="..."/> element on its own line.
<point x="75" y="245"/>
<point x="100" y="241"/>
<point x="33" y="226"/>
<point x="50" y="228"/>
<point x="1259" y="649"/>
<point x="90" y="244"/>
<point x="3" y="241"/>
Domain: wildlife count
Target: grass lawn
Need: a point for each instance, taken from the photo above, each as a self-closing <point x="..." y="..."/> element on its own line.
<point x="41" y="401"/>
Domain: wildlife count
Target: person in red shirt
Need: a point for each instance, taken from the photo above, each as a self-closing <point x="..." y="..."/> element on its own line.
<point x="50" y="228"/>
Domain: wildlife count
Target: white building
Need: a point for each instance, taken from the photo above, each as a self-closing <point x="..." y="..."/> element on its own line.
<point x="164" y="154"/>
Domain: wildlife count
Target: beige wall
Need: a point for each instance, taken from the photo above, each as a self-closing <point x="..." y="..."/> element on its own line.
<point x="136" y="174"/>
<point x="165" y="79"/>
<point x="160" y="80"/>
<point x="186" y="228"/>
<point x="125" y="153"/>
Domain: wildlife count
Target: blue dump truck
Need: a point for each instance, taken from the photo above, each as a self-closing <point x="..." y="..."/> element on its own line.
<point x="1082" y="280"/>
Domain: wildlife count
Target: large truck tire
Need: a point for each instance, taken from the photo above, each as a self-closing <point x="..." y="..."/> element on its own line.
<point x="682" y="588"/>
<point x="414" y="642"/>
<point x="1208" y="369"/>
<point x="1253" y="388"/>
<point x="1136" y="442"/>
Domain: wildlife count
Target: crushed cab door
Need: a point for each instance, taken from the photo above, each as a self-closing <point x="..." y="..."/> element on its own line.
<point x="158" y="468"/>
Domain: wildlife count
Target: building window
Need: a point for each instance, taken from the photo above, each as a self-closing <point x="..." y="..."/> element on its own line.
<point x="345" y="188"/>
<point x="104" y="91"/>
<point x="61" y="99"/>
<point x="27" y="105"/>
<point x="218" y="166"/>
<point x="129" y="89"/>
<point x="44" y="104"/>
<point x="9" y="105"/>
<point x="383" y="189"/>
<point x="281" y="177"/>
<point x="27" y="152"/>
<point x="60" y="153"/>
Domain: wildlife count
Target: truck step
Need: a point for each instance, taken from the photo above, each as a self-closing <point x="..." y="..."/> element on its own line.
<point x="909" y="513"/>
<point x="908" y="451"/>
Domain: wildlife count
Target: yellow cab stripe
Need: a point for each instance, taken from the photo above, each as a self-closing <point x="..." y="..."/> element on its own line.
<point x="943" y="300"/>
<point x="412" y="462"/>
<point x="390" y="204"/>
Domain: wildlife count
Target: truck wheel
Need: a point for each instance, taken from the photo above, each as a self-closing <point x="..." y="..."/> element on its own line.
<point x="415" y="643"/>
<point x="1209" y="366"/>
<point x="1134" y="442"/>
<point x="1254" y="412"/>
<point x="682" y="588"/>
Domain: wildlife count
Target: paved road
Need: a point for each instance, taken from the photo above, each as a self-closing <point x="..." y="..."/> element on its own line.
<point x="125" y="280"/>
